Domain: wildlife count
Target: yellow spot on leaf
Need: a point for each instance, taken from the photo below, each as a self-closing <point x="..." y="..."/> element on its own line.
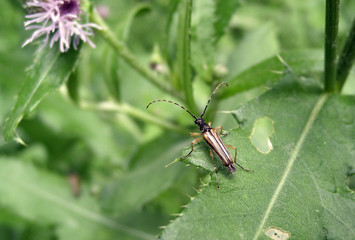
<point x="260" y="136"/>
<point x="277" y="234"/>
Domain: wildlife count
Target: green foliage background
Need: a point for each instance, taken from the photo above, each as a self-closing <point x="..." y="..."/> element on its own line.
<point x="91" y="124"/>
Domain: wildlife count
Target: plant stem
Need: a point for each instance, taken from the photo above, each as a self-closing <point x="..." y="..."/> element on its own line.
<point x="346" y="58"/>
<point x="125" y="54"/>
<point x="183" y="52"/>
<point x="136" y="113"/>
<point x="331" y="32"/>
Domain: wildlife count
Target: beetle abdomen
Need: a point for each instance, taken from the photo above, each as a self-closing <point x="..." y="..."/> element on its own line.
<point x="231" y="168"/>
<point x="213" y="139"/>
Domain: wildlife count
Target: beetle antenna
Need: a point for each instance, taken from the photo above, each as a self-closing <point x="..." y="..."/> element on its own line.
<point x="163" y="100"/>
<point x="209" y="100"/>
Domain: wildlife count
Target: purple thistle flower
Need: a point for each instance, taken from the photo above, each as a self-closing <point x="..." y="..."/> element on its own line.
<point x="58" y="20"/>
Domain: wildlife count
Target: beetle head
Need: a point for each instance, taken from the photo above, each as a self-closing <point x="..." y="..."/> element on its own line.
<point x="204" y="127"/>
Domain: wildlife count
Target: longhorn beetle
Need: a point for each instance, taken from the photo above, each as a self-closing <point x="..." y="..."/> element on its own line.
<point x="211" y="136"/>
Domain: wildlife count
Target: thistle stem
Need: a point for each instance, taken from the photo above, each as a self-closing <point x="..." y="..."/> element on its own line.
<point x="183" y="52"/>
<point x="346" y="58"/>
<point x="331" y="32"/>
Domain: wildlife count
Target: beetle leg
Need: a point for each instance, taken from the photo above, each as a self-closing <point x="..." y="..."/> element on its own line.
<point x="220" y="128"/>
<point x="194" y="134"/>
<point x="167" y="165"/>
<point x="192" y="146"/>
<point x="211" y="154"/>
<point x="235" y="158"/>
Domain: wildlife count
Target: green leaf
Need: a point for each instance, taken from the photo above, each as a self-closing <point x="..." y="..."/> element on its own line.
<point x="49" y="70"/>
<point x="73" y="87"/>
<point x="223" y="13"/>
<point x="258" y="45"/>
<point x="202" y="44"/>
<point x="148" y="176"/>
<point x="30" y="232"/>
<point x="60" y="119"/>
<point x="168" y="35"/>
<point x="112" y="74"/>
<point x="134" y="13"/>
<point x="50" y="202"/>
<point x="298" y="189"/>
<point x="112" y="63"/>
<point x="209" y="21"/>
<point x="304" y="63"/>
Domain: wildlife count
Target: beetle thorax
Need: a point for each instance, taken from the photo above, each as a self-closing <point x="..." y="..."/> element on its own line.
<point x="204" y="127"/>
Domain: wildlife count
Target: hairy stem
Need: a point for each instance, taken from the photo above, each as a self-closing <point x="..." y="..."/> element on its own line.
<point x="331" y="32"/>
<point x="346" y="58"/>
<point x="183" y="52"/>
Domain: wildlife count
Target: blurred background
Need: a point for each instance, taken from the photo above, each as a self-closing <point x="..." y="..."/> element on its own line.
<point x="90" y="171"/>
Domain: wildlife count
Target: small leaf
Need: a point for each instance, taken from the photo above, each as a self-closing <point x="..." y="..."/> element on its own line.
<point x="169" y="30"/>
<point x="147" y="178"/>
<point x="61" y="119"/>
<point x="112" y="74"/>
<point x="202" y="44"/>
<point x="49" y="202"/>
<point x="258" y="45"/>
<point x="223" y="13"/>
<point x="304" y="63"/>
<point x="297" y="189"/>
<point x="112" y="63"/>
<point x="134" y="13"/>
<point x="49" y="71"/>
<point x="73" y="87"/>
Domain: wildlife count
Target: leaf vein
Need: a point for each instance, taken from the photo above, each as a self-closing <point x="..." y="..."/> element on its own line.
<point x="316" y="109"/>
